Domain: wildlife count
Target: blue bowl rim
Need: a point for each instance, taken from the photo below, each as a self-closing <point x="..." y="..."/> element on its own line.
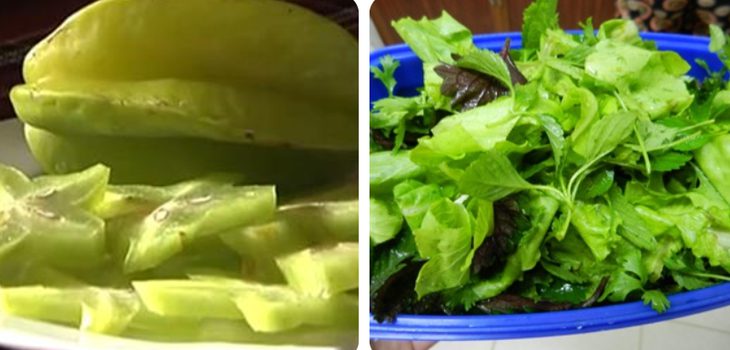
<point x="592" y="319"/>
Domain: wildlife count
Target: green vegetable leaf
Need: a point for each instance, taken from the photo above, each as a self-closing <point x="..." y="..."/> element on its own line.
<point x="710" y="159"/>
<point x="629" y="258"/>
<point x="670" y="161"/>
<point x="654" y="260"/>
<point x="478" y="129"/>
<point x="620" y="30"/>
<point x="541" y="210"/>
<point x="385" y="75"/>
<point x="606" y="164"/>
<point x="540" y="16"/>
<point x="391" y="257"/>
<point x="385" y="221"/>
<point x="392" y="111"/>
<point x="588" y="35"/>
<point x="656" y="92"/>
<point x="614" y="61"/>
<point x="489" y="63"/>
<point x="690" y="282"/>
<point x="596" y="224"/>
<point x="435" y="40"/>
<point x="717" y="38"/>
<point x="388" y="169"/>
<point x="588" y="112"/>
<point x="492" y="177"/>
<point x="620" y="285"/>
<point x="414" y="199"/>
<point x="657" y="136"/>
<point x="604" y="135"/>
<point x="632" y="227"/>
<point x="719" y="44"/>
<point x="445" y="238"/>
<point x="554" y="132"/>
<point x="432" y="86"/>
<point x="657" y="299"/>
<point x="596" y="185"/>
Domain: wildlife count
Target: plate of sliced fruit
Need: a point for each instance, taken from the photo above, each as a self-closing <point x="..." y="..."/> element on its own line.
<point x="172" y="182"/>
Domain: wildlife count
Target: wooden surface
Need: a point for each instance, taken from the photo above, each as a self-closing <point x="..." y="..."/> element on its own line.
<point x="483" y="16"/>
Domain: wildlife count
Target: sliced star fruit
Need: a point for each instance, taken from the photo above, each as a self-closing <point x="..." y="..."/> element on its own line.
<point x="47" y="218"/>
<point x="92" y="309"/>
<point x="196" y="213"/>
<point x="276" y="309"/>
<point x="322" y="271"/>
<point x="188" y="298"/>
<point x="296" y="227"/>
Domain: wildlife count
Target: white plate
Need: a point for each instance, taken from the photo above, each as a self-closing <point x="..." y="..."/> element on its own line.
<point x="13" y="150"/>
<point x="32" y="335"/>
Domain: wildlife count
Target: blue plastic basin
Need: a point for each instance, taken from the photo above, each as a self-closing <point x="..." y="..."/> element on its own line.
<point x="420" y="327"/>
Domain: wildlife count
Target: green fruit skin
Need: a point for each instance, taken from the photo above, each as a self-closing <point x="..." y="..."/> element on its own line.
<point x="178" y="108"/>
<point x="164" y="161"/>
<point x="236" y="67"/>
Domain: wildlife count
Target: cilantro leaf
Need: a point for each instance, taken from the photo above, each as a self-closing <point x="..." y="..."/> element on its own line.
<point x="657" y="299"/>
<point x="385" y="75"/>
<point x="588" y="35"/>
<point x="390" y="112"/>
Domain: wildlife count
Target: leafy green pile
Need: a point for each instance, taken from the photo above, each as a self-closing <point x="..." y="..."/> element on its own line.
<point x="579" y="169"/>
<point x="203" y="260"/>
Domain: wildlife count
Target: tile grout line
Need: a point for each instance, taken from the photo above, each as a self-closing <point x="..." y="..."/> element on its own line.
<point x="685" y="323"/>
<point x="494" y="345"/>
<point x="641" y="337"/>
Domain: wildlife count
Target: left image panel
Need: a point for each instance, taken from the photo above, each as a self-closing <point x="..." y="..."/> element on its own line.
<point x="178" y="174"/>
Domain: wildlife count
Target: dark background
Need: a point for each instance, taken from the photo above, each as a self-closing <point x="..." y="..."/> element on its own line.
<point x="484" y="16"/>
<point x="22" y="24"/>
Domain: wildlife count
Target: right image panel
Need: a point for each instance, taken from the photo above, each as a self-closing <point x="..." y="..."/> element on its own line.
<point x="549" y="174"/>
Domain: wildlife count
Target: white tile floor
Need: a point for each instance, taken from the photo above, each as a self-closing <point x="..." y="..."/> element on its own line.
<point x="706" y="331"/>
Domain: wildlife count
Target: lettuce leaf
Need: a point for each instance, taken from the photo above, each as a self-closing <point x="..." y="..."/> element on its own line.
<point x="435" y="40"/>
